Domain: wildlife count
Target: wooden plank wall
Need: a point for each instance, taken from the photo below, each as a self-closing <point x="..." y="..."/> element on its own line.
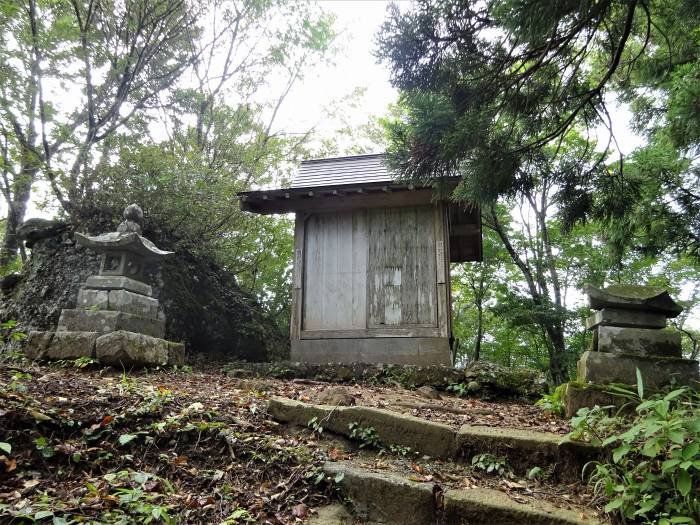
<point x="370" y="272"/>
<point x="401" y="273"/>
<point x="335" y="271"/>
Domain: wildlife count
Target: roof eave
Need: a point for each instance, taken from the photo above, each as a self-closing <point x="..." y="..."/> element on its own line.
<point x="288" y="200"/>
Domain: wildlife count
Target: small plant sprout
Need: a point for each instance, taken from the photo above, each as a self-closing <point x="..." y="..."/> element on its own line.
<point x="535" y="473"/>
<point x="367" y="436"/>
<point x="490" y="464"/>
<point x="315" y="425"/>
<point x="458" y="388"/>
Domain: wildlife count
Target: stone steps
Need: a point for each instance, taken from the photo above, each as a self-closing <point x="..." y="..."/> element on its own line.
<point x="523" y="449"/>
<point x="390" y="499"/>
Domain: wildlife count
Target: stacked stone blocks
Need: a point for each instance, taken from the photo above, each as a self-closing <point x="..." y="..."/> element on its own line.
<point x="629" y="333"/>
<point x="117" y="319"/>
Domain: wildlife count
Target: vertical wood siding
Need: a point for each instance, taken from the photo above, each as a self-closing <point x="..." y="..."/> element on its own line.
<point x="401" y="271"/>
<point x="335" y="271"/>
<point x="370" y="269"/>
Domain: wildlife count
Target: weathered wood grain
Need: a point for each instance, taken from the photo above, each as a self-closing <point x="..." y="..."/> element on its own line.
<point x="372" y="269"/>
<point x="297" y="296"/>
<point x="335" y="271"/>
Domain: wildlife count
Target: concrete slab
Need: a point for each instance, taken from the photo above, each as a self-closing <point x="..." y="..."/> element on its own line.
<point x="72" y="345"/>
<point x="482" y="506"/>
<point x="522" y="448"/>
<point x="579" y="395"/>
<point x="426" y="437"/>
<point x="335" y="514"/>
<point x="396" y="350"/>
<point x="392" y="499"/>
<point x="133" y="303"/>
<point x="129" y="349"/>
<point x="110" y="282"/>
<point x="385" y="497"/>
<point x="93" y="299"/>
<point x="38" y="342"/>
<point x="526" y="448"/>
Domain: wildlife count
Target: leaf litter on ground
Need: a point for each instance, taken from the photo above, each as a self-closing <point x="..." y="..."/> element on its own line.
<point x="167" y="446"/>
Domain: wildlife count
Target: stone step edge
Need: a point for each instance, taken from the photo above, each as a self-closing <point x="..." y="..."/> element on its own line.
<point x="443" y="441"/>
<point x="394" y="499"/>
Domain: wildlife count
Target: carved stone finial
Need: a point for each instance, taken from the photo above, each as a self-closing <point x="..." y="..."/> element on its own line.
<point x="133" y="216"/>
<point x="133" y="212"/>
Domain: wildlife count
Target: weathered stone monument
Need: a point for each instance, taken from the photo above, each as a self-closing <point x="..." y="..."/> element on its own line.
<point x="629" y="334"/>
<point x="117" y="319"/>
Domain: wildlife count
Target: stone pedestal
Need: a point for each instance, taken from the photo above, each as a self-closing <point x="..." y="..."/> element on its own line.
<point x="629" y="333"/>
<point x="117" y="319"/>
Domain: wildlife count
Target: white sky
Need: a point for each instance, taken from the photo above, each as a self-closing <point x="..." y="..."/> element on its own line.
<point x="357" y="22"/>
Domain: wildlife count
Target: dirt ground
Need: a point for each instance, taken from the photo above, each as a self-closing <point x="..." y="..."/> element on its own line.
<point x="449" y="409"/>
<point x="197" y="446"/>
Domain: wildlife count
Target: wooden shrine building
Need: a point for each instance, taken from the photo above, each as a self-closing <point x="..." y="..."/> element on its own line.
<point x="371" y="262"/>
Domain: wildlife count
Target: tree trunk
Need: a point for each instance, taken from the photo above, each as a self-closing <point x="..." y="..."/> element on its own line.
<point x="16" y="209"/>
<point x="539" y="292"/>
<point x="479" y="332"/>
<point x="558" y="368"/>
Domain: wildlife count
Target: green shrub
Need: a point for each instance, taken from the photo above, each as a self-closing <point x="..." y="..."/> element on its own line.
<point x="653" y="472"/>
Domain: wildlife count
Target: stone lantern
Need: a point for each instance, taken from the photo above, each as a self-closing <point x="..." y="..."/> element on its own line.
<point x="117" y="319"/>
<point x="629" y="338"/>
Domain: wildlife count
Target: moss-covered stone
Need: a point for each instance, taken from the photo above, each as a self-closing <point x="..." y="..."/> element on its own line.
<point x="579" y="395"/>
<point x="482" y="506"/>
<point x="632" y="297"/>
<point x="129" y="349"/>
<point x="523" y="449"/>
<point x="656" y="371"/>
<point x="493" y="380"/>
<point x="390" y="498"/>
<point x="202" y="302"/>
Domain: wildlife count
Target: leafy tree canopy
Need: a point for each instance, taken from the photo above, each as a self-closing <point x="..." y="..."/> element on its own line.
<point x="488" y="86"/>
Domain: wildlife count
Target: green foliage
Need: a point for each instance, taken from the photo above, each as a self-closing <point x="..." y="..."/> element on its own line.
<point x="490" y="464"/>
<point x="458" y="388"/>
<point x="489" y="90"/>
<point x="42" y="445"/>
<point x="654" y="469"/>
<point x="315" y="425"/>
<point x="177" y="113"/>
<point x="13" y="267"/>
<point x="8" y="332"/>
<point x="238" y="516"/>
<point x="136" y="497"/>
<point x="18" y="379"/>
<point x="79" y="363"/>
<point x="535" y="473"/>
<point x="554" y="402"/>
<point x="367" y="436"/>
<point x="182" y="369"/>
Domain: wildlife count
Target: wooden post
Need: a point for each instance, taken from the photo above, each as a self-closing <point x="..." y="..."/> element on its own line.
<point x="298" y="278"/>
<point x="442" y="272"/>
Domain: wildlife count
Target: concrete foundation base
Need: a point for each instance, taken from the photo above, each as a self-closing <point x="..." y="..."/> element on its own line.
<point x="394" y="350"/>
<point x="657" y="372"/>
<point x="580" y="395"/>
<point x="642" y="341"/>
